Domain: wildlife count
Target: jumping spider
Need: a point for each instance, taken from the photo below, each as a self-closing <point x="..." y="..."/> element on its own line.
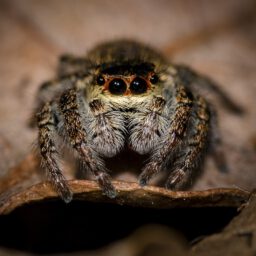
<point x="124" y="94"/>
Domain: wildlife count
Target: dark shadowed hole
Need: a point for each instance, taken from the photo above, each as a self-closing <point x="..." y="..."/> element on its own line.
<point x="54" y="227"/>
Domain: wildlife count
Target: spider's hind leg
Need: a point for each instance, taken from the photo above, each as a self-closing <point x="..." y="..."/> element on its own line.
<point x="47" y="125"/>
<point x="205" y="85"/>
<point x="69" y="64"/>
<point x="216" y="146"/>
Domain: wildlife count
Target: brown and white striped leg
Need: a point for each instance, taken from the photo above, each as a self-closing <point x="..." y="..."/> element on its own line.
<point x="171" y="141"/>
<point x="78" y="139"/>
<point x="46" y="138"/>
<point x="205" y="85"/>
<point x="189" y="159"/>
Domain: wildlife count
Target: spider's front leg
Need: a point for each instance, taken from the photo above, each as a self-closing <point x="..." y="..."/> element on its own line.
<point x="190" y="156"/>
<point x="205" y="86"/>
<point x="80" y="138"/>
<point x="179" y="107"/>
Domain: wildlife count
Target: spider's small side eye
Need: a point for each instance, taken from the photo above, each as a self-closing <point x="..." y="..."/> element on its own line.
<point x="100" y="80"/>
<point x="154" y="79"/>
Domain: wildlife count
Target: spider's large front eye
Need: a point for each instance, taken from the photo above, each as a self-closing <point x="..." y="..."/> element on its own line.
<point x="117" y="86"/>
<point x="138" y="85"/>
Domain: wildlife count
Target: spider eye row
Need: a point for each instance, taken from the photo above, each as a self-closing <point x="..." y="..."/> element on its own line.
<point x="118" y="86"/>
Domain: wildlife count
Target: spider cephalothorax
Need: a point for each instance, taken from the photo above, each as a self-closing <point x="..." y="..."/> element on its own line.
<point x="125" y="94"/>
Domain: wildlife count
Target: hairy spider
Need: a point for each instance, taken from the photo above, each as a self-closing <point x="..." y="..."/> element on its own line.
<point x="124" y="94"/>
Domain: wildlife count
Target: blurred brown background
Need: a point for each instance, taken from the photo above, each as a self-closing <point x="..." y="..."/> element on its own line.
<point x="216" y="38"/>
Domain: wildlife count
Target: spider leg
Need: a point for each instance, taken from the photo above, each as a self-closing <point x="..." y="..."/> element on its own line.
<point x="203" y="84"/>
<point x="190" y="157"/>
<point x="215" y="144"/>
<point x="47" y="131"/>
<point x="183" y="101"/>
<point x="69" y="64"/>
<point x="49" y="90"/>
<point x="79" y="141"/>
